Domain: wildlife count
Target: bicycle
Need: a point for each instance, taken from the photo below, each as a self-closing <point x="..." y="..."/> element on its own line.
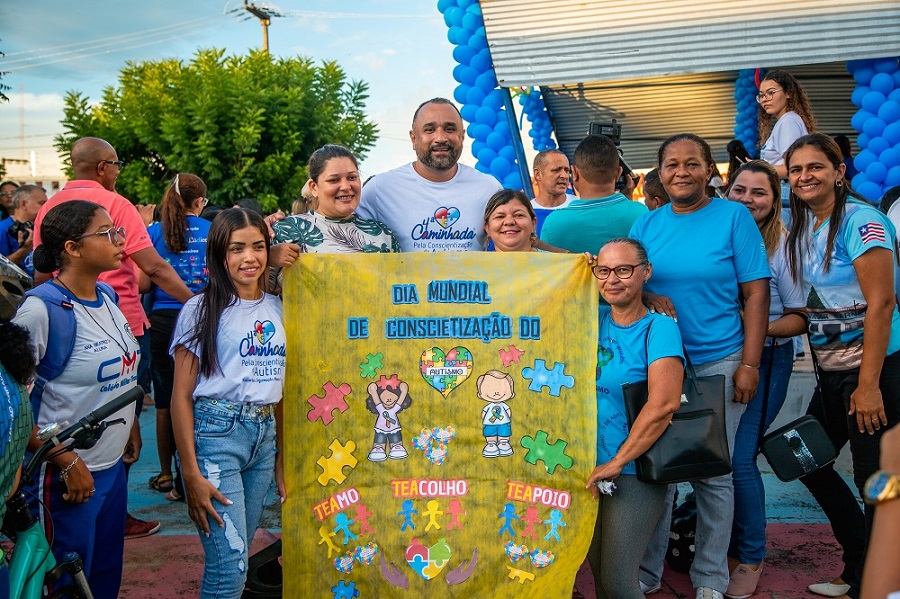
<point x="32" y="566"/>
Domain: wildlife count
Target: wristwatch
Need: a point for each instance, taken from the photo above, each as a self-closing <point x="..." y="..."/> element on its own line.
<point x="882" y="486"/>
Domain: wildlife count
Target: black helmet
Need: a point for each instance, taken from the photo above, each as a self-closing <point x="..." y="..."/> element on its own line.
<point x="14" y="282"/>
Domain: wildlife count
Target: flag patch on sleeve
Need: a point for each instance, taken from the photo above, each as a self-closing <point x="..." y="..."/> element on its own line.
<point x="871" y="232"/>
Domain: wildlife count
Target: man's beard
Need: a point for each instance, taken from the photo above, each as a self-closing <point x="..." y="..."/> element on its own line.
<point x="440" y="163"/>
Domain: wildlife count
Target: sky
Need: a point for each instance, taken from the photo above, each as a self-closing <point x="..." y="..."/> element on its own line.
<point x="399" y="47"/>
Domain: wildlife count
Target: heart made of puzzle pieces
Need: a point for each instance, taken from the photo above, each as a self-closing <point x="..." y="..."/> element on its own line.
<point x="446" y="371"/>
<point x="515" y="552"/>
<point x="264" y="331"/>
<point x="428" y="561"/>
<point x="445" y="217"/>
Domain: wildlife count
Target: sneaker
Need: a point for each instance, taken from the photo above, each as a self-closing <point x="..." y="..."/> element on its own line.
<point x="650" y="589"/>
<point x="708" y="593"/>
<point x="743" y="581"/>
<point x="398" y="452"/>
<point x="490" y="450"/>
<point x="504" y="448"/>
<point x="377" y="454"/>
<point x="135" y="529"/>
<point x="829" y="589"/>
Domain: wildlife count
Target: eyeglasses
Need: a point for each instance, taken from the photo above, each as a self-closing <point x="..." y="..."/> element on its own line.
<point x="118" y="163"/>
<point x="623" y="271"/>
<point x="767" y="95"/>
<point x="113" y="234"/>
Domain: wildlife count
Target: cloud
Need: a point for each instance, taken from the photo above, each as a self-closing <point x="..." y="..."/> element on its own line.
<point x="36" y="102"/>
<point x="371" y="60"/>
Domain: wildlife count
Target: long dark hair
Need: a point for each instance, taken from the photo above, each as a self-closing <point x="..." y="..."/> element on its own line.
<point x="797" y="101"/>
<point x="64" y="222"/>
<point x="737" y="155"/>
<point x="181" y="193"/>
<point x="800" y="212"/>
<point x="219" y="292"/>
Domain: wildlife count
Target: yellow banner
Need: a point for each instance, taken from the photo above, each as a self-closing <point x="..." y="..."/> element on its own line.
<point x="440" y="422"/>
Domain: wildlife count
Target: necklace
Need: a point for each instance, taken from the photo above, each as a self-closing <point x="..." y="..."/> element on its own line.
<point x="123" y="345"/>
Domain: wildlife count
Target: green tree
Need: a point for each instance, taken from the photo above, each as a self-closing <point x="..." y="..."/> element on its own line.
<point x="245" y="124"/>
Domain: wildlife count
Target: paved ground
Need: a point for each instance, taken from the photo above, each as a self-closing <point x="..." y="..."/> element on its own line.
<point x="801" y="548"/>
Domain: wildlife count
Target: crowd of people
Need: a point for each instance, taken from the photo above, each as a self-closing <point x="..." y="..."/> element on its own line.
<point x="723" y="283"/>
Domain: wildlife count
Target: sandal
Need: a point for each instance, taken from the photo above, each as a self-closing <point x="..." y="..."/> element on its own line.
<point x="161" y="482"/>
<point x="174" y="495"/>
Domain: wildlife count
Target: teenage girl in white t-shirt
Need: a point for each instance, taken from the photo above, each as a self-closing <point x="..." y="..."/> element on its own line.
<point x="229" y="351"/>
<point x="85" y="491"/>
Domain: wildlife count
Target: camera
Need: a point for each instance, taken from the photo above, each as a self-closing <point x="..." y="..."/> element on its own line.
<point x="14" y="229"/>
<point x="613" y="130"/>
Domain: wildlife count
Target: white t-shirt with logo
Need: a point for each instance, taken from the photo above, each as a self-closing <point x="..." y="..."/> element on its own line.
<point x="426" y="216"/>
<point x="250" y="346"/>
<point x="97" y="371"/>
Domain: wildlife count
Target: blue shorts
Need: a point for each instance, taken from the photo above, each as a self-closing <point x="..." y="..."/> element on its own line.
<point x="498" y="430"/>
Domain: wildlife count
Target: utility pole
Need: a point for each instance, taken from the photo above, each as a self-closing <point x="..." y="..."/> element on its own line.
<point x="265" y="19"/>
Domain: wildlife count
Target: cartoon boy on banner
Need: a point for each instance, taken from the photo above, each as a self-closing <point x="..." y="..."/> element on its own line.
<point x="439" y="427"/>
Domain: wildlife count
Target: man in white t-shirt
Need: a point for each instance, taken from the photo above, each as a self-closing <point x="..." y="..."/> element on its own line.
<point x="433" y="204"/>
<point x="551" y="177"/>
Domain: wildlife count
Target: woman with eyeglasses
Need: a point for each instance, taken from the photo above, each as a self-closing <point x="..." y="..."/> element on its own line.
<point x="633" y="345"/>
<point x="180" y="238"/>
<point x="784" y="117"/>
<point x="84" y="490"/>
<point x="706" y="253"/>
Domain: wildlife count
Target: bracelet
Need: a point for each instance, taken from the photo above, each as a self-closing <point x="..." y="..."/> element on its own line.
<point x="750" y="366"/>
<point x="64" y="475"/>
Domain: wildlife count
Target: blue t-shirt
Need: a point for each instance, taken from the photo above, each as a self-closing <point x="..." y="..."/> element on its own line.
<point x="622" y="357"/>
<point x="9" y="244"/>
<point x="586" y="225"/>
<point x="837" y="307"/>
<point x="698" y="260"/>
<point x="189" y="264"/>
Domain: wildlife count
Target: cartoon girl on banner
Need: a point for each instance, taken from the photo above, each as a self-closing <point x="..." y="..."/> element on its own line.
<point x="387" y="398"/>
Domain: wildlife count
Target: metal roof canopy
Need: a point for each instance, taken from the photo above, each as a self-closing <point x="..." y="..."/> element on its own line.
<point x="569" y="41"/>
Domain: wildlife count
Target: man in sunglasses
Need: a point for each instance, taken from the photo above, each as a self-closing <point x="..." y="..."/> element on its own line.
<point x="97" y="166"/>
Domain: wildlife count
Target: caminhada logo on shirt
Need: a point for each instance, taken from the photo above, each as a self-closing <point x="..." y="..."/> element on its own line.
<point x="257" y="341"/>
<point x="440" y="226"/>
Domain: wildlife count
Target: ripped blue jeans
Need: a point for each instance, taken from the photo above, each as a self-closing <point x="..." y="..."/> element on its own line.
<point x="235" y="445"/>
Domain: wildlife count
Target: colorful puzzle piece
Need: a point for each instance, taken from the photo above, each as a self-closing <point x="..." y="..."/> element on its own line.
<point x="552" y="455"/>
<point x="370" y="367"/>
<point x="342" y="590"/>
<point x="554" y="379"/>
<point x="510" y="355"/>
<point x="333" y="467"/>
<point x="333" y="400"/>
<point x="519" y="576"/>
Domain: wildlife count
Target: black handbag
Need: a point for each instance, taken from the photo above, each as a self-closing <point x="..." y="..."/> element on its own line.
<point x="694" y="446"/>
<point x="799" y="447"/>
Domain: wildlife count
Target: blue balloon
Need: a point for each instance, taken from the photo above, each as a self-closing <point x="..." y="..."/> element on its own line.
<point x="885" y="65"/>
<point x="889" y="111"/>
<point x="481" y="62"/>
<point x="477" y="146"/>
<point x="859" y="119"/>
<point x="512" y="180"/>
<point x="882" y="82"/>
<point x="481" y="132"/>
<point x="443" y="5"/>
<point x="892" y="133"/>
<point x="895" y="95"/>
<point x="858" y="180"/>
<point x="487" y="81"/>
<point x="862" y="140"/>
<point x="483" y="168"/>
<point x="738" y="94"/>
<point x="454" y="35"/>
<point x="890" y="157"/>
<point x="468" y="112"/>
<point x="475" y="95"/>
<point x="472" y="21"/>
<point x="487" y="116"/>
<point x="872" y="127"/>
<point x="893" y="177"/>
<point x="873" y="100"/>
<point x="896" y="77"/>
<point x="869" y="190"/>
<point x="500" y="167"/>
<point x="473" y="7"/>
<point x="876" y="172"/>
<point x="877" y="145"/>
<point x="453" y="16"/>
<point x="858" y="94"/>
<point x="508" y="152"/>
<point x="459" y="94"/>
<point x="862" y="160"/>
<point x="464" y="54"/>
<point x="495" y="141"/>
<point x="469" y="74"/>
<point x="494" y="100"/>
<point x="502" y="125"/>
<point x="486" y="155"/>
<point x="465" y="3"/>
<point x="478" y="41"/>
<point x="861" y="76"/>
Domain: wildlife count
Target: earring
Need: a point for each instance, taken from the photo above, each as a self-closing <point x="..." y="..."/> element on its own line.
<point x="839" y="183"/>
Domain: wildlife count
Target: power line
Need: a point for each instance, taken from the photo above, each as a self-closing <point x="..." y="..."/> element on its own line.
<point x="348" y="15"/>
